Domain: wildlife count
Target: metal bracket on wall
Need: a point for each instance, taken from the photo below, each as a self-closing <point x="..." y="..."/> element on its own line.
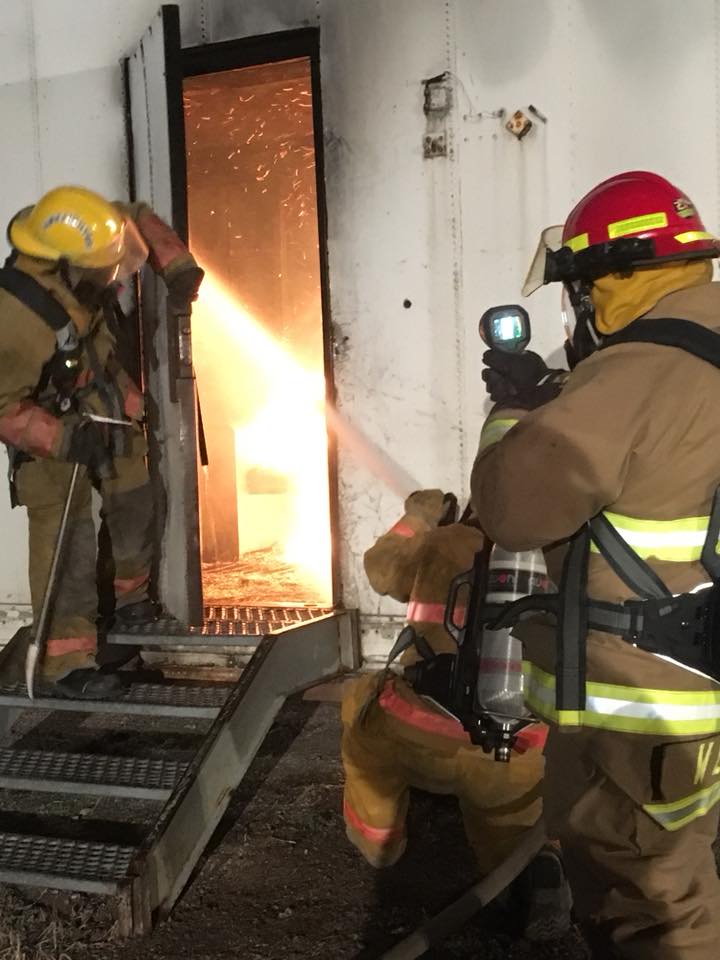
<point x="437" y="104"/>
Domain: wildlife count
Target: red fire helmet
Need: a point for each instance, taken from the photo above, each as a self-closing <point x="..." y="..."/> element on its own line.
<point x="640" y="205"/>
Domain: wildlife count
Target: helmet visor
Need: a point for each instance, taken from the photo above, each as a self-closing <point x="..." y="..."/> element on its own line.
<point x="134" y="251"/>
<point x="550" y="239"/>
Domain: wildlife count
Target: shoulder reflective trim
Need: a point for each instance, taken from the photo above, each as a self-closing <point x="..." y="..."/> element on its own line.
<point x="649" y="221"/>
<point x="628" y="709"/>
<point x="673" y="540"/>
<point x="580" y="242"/>
<point x="494" y="430"/>
<point x="692" y="235"/>
<point x="673" y="816"/>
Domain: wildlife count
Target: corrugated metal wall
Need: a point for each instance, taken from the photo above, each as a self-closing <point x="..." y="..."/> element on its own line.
<point x="621" y="84"/>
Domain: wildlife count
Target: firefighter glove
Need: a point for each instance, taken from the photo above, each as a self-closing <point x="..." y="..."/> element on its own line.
<point x="520" y="380"/>
<point x="88" y="445"/>
<point x="430" y="506"/>
<point x="183" y="284"/>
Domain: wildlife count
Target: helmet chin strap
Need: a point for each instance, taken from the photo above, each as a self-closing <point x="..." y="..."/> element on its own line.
<point x="585" y="338"/>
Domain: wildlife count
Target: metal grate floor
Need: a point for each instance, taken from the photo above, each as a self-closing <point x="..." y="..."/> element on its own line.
<point x="169" y="700"/>
<point x="139" y="778"/>
<point x="91" y="866"/>
<point x="223" y="625"/>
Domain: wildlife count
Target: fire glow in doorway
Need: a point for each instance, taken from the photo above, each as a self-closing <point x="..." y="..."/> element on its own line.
<point x="258" y="336"/>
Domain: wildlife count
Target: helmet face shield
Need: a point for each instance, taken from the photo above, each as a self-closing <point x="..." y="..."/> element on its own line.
<point x="550" y="241"/>
<point x="134" y="251"/>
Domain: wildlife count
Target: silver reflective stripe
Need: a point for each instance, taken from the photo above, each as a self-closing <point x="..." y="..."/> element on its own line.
<point x="632" y="710"/>
<point x="673" y="816"/>
<point x="678" y="540"/>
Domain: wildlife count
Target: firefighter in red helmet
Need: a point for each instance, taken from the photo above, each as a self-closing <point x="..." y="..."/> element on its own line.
<point x="628" y="512"/>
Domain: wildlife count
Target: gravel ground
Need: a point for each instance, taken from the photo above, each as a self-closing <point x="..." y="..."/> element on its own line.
<point x="281" y="882"/>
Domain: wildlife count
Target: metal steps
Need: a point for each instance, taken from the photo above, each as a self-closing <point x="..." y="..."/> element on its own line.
<point x="87" y="866"/>
<point x="166" y="700"/>
<point x="223" y="625"/>
<point x="174" y="801"/>
<point x="81" y="773"/>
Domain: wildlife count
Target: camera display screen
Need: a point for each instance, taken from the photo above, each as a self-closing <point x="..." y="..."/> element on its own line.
<point x="508" y="327"/>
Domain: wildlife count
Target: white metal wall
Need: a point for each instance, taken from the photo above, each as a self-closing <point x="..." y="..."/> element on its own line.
<point x="621" y="84"/>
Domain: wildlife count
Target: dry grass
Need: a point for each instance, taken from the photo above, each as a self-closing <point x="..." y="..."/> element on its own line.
<point x="51" y="926"/>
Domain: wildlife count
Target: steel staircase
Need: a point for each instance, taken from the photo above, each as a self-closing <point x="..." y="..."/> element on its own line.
<point x="163" y="805"/>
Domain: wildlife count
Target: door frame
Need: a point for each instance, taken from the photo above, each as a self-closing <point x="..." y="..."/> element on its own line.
<point x="157" y="169"/>
<point x="251" y="52"/>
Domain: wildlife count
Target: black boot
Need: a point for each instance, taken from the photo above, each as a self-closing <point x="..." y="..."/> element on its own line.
<point x="112" y="656"/>
<point x="549" y="900"/>
<point x="89" y="684"/>
<point x="142" y="613"/>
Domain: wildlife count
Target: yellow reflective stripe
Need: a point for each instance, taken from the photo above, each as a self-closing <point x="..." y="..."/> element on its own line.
<point x="673" y="816"/>
<point x="677" y="541"/>
<point x="493" y="431"/>
<point x="690" y="236"/>
<point x="649" y="221"/>
<point x="627" y="709"/>
<point x="580" y="242"/>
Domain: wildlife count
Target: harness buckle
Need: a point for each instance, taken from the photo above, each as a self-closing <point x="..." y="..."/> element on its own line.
<point x="678" y="627"/>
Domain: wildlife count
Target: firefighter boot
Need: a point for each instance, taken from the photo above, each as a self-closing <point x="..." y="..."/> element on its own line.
<point x="142" y="613"/>
<point x="87" y="683"/>
<point x="549" y="900"/>
<point x="131" y="616"/>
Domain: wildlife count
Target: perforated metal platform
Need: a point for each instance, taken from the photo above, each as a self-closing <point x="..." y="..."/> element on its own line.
<point x="167" y="700"/>
<point x="82" y="773"/>
<point x="60" y="842"/>
<point x="224" y="625"/>
<point x="65" y="864"/>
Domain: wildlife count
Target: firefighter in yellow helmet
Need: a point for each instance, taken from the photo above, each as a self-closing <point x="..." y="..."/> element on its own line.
<point x="394" y="739"/>
<point x="616" y="475"/>
<point x="61" y="381"/>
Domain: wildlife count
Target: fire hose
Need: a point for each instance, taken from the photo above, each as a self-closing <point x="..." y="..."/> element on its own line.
<point x="450" y="919"/>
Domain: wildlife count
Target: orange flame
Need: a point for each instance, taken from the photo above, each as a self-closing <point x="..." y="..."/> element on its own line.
<point x="287" y="436"/>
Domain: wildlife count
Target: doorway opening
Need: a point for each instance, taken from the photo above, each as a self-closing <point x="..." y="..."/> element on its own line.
<point x="255" y="222"/>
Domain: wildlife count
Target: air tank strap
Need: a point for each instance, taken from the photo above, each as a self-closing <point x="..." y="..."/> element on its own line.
<point x="572" y="626"/>
<point x="33" y="295"/>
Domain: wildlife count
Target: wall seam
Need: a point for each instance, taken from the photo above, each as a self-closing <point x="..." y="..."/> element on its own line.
<point x="456" y="245"/>
<point x="34" y="94"/>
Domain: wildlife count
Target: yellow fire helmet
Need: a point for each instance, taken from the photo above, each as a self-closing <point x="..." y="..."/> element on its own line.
<point x="80" y="226"/>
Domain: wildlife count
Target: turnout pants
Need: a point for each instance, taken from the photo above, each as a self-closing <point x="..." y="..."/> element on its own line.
<point x="636" y="817"/>
<point x="127" y="509"/>
<point x="394" y="741"/>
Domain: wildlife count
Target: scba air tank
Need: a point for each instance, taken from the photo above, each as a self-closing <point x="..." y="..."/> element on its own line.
<point x="500" y="679"/>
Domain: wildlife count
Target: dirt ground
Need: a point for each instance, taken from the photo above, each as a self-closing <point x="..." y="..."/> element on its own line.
<point x="281" y="882"/>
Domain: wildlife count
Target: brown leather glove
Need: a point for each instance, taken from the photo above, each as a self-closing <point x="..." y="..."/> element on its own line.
<point x="433" y="507"/>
